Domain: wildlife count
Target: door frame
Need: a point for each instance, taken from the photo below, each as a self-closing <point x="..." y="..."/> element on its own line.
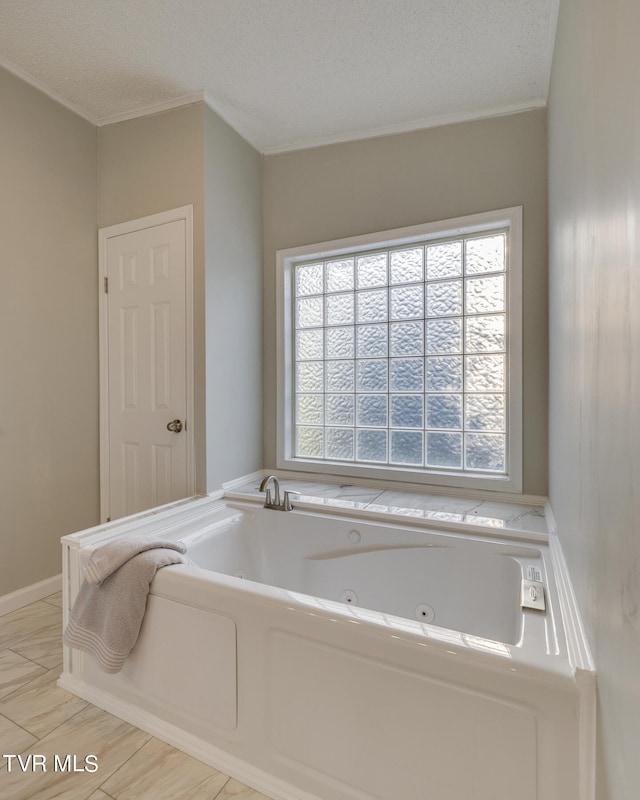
<point x="104" y="234"/>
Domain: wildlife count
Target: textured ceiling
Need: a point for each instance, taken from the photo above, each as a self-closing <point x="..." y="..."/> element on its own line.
<point x="287" y="73"/>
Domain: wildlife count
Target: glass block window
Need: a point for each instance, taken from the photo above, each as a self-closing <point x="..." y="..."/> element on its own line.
<point x="400" y="355"/>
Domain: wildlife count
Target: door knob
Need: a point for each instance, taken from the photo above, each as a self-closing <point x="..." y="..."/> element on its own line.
<point x="175" y="426"/>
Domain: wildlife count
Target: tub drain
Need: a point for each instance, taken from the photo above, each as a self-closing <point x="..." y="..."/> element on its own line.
<point x="425" y="613"/>
<point x="349" y="597"/>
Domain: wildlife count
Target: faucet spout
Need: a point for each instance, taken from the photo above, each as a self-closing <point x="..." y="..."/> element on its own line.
<point x="270" y="502"/>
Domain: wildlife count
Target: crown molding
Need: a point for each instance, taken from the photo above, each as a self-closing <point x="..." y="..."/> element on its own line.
<point x="46" y="90"/>
<point x="302" y="144"/>
<point x="409" y="127"/>
<point x="554" y="14"/>
<point x="154" y="108"/>
<point x="232" y="123"/>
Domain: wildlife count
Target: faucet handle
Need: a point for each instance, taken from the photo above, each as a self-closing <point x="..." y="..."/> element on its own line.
<point x="287" y="499"/>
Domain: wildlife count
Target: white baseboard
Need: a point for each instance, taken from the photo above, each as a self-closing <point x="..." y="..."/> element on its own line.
<point x="204" y="751"/>
<point x="23" y="597"/>
<point x="252" y="476"/>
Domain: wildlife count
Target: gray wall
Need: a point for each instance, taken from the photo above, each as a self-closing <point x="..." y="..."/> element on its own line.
<point x="154" y="164"/>
<point x="48" y="332"/>
<point x="61" y="180"/>
<point x="594" y="181"/>
<point x="190" y="156"/>
<point x="389" y="182"/>
<point x="233" y="246"/>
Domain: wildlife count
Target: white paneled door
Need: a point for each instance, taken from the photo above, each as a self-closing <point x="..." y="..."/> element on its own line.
<point x="146" y="442"/>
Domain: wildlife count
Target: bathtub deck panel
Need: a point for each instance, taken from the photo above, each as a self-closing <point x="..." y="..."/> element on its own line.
<point x="296" y="658"/>
<point x="366" y="723"/>
<point x="183" y="667"/>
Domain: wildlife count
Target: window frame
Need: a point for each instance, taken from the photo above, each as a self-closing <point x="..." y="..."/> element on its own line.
<point x="485" y="222"/>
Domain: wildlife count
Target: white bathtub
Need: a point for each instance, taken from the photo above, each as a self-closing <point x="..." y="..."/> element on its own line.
<point x="325" y="657"/>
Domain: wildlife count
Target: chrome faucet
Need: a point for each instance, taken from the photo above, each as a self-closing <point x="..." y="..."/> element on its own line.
<point x="275" y="503"/>
<point x="264" y="487"/>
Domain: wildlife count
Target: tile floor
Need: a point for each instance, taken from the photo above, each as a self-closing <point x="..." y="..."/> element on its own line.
<point x="37" y="717"/>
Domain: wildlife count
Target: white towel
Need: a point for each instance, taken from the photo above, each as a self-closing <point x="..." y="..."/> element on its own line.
<point x="107" y="614"/>
<point x="107" y="559"/>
